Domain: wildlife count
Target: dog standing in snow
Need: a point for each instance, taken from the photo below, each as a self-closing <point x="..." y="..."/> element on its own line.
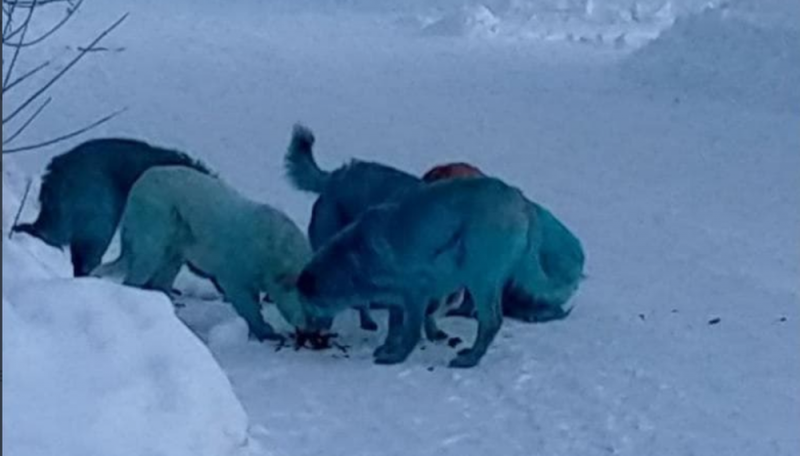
<point x="479" y="234"/>
<point x="84" y="191"/>
<point x="176" y="215"/>
<point x="345" y="193"/>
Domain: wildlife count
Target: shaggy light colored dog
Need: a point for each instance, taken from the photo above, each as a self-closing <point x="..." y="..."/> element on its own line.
<point x="176" y="216"/>
<point x="479" y="234"/>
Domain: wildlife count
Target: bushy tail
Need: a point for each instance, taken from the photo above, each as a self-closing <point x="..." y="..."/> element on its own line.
<point x="40" y="229"/>
<point x="301" y="168"/>
<point x="550" y="273"/>
<point x="27" y="228"/>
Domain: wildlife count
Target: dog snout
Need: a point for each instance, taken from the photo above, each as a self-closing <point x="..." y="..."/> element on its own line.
<point x="307" y="284"/>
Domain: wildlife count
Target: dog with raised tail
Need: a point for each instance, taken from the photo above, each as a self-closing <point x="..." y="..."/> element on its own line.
<point x="348" y="191"/>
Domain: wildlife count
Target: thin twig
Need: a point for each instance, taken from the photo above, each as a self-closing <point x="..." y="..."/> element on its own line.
<point x="33" y="3"/>
<point x="28" y="122"/>
<point x="25" y="76"/>
<point x="24" y="27"/>
<point x="66" y="136"/>
<point x="8" y="23"/>
<point x="70" y="12"/>
<point x="61" y="73"/>
<point x="21" y="206"/>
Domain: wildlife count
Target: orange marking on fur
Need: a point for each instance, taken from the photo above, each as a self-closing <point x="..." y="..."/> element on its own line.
<point x="451" y="170"/>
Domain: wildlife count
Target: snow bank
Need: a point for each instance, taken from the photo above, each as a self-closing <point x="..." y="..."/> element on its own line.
<point x="617" y="24"/>
<point x="93" y="368"/>
<point x="732" y="53"/>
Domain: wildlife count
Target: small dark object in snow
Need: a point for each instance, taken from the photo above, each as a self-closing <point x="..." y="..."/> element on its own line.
<point x="782" y="319"/>
<point x="454" y="342"/>
<point x="642" y="317"/>
<point x="422" y="347"/>
<point x="714" y="321"/>
<point x="674" y="311"/>
<point x="314" y="341"/>
<point x="430" y="369"/>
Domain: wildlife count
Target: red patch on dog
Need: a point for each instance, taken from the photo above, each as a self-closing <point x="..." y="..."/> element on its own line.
<point x="451" y="170"/>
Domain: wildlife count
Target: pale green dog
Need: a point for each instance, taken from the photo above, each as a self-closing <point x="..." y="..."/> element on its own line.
<point x="175" y="215"/>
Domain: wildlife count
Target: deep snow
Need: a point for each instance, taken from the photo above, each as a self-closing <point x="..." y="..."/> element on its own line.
<point x="687" y="204"/>
<point x="93" y="368"/>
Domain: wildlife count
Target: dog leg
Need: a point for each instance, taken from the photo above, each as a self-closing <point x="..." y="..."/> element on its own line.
<point x="248" y="307"/>
<point x="490" y="318"/>
<point x="466" y="309"/>
<point x="86" y="255"/>
<point x="409" y="335"/>
<point x="163" y="279"/>
<point x="366" y="321"/>
<point x="432" y="331"/>
<point x="393" y="334"/>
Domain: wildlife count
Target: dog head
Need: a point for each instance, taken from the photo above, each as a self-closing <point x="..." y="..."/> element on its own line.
<point x="348" y="270"/>
<point x="450" y="171"/>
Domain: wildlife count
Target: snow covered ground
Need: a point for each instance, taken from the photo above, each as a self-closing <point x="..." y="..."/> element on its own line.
<point x="684" y="339"/>
<point x="94" y="368"/>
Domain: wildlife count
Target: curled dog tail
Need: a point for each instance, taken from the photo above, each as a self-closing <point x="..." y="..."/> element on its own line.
<point x="301" y="168"/>
<point x="551" y="273"/>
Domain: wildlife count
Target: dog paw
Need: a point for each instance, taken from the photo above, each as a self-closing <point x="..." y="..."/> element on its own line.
<point x="390" y="357"/>
<point x="382" y="351"/>
<point x="438" y="336"/>
<point x="466" y="358"/>
<point x="369" y="325"/>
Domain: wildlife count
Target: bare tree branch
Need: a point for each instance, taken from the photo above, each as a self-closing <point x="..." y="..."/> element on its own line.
<point x="10" y="14"/>
<point x="19" y="210"/>
<point x="66" y="136"/>
<point x="63" y="71"/>
<point x="33" y="3"/>
<point x="25" y="76"/>
<point x="24" y="28"/>
<point x="28" y="122"/>
<point x="70" y="12"/>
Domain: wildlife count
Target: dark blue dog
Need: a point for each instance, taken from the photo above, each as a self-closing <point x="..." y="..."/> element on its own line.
<point x="84" y="191"/>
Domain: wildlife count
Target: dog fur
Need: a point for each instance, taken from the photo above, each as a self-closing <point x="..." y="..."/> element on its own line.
<point x="479" y="234"/>
<point x="347" y="192"/>
<point x="176" y="215"/>
<point x="84" y="191"/>
<point x="344" y="193"/>
<point x="450" y="171"/>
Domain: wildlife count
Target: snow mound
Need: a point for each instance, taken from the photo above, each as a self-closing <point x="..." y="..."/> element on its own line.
<point x="726" y="53"/>
<point x="93" y="368"/>
<point x="588" y="22"/>
<point x="475" y="21"/>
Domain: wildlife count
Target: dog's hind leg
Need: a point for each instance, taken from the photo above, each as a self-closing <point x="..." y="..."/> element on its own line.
<point x="490" y="318"/>
<point x="86" y="255"/>
<point x="466" y="309"/>
<point x="163" y="279"/>
<point x="432" y="331"/>
<point x="365" y="319"/>
<point x="93" y="223"/>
